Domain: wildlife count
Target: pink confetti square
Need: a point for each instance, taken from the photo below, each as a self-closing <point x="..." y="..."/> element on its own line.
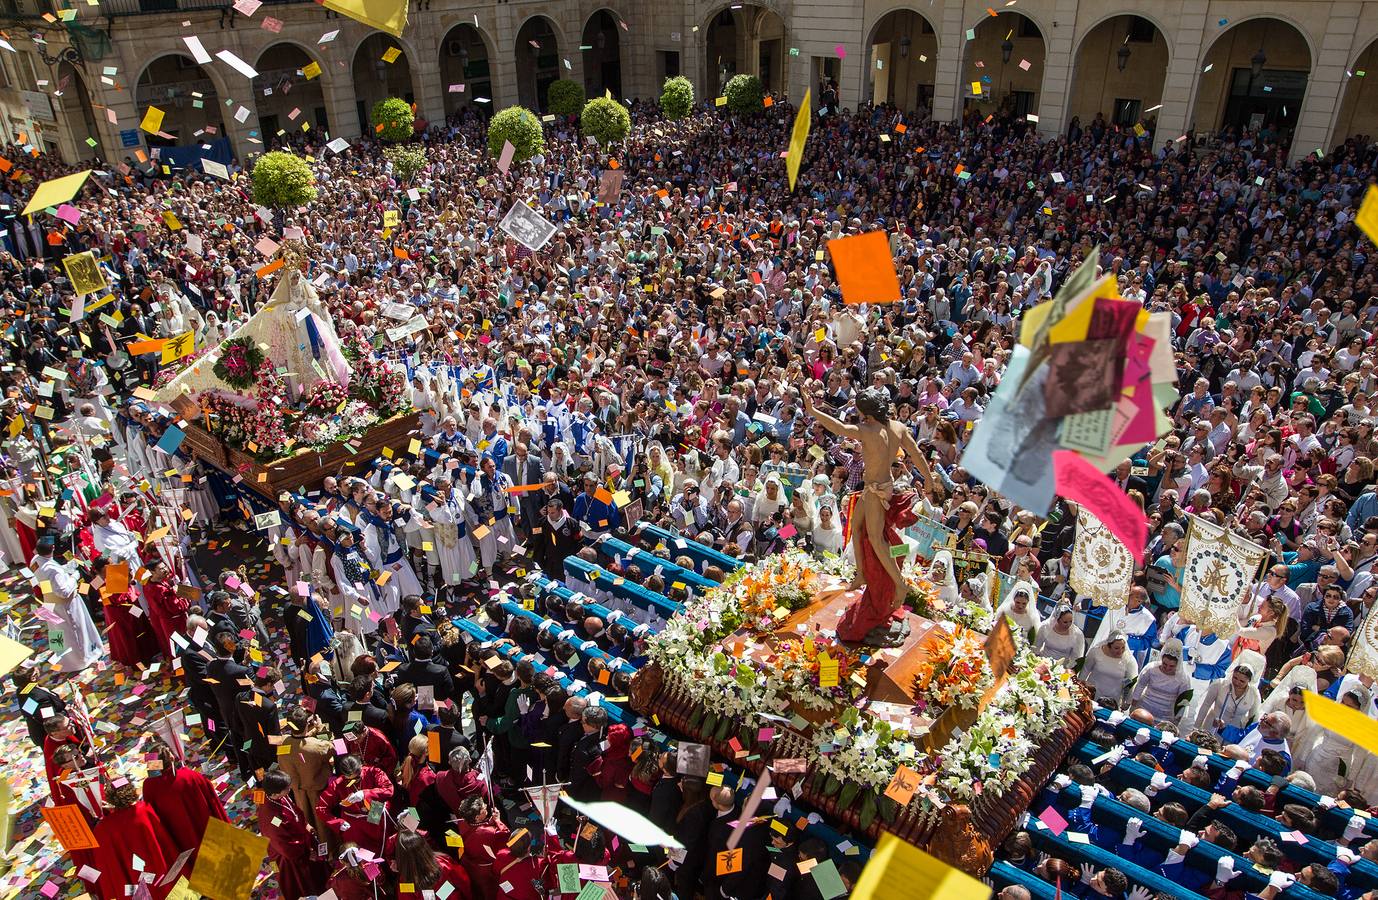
<point x="1053" y="819"/>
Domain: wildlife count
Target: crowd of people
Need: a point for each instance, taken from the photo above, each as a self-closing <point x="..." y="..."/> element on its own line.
<point x="643" y="375"/>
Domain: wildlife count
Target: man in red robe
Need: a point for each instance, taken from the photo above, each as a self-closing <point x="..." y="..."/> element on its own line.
<point x="131" y="828"/>
<point x="167" y="608"/>
<point x="346" y="806"/>
<point x="183" y="799"/>
<point x="484" y="834"/>
<point x="291" y="845"/>
<point x="62" y="731"/>
<point x="461" y="781"/>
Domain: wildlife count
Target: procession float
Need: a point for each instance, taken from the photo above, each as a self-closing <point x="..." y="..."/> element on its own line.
<point x="942" y="739"/>
<point x="285" y="399"/>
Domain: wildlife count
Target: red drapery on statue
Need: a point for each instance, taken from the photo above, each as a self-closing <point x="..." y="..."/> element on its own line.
<point x="882" y="596"/>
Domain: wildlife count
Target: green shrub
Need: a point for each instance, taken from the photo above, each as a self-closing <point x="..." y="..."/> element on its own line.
<point x="745" y="94"/>
<point x="407" y="160"/>
<point x="396" y="118"/>
<point x="677" y="97"/>
<point x="605" y="120"/>
<point x="520" y="126"/>
<point x="565" y="97"/>
<point x="282" y="180"/>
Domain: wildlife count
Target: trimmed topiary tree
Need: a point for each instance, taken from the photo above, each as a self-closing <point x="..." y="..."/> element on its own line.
<point x="677" y="97"/>
<point x="565" y="97"/>
<point x="283" y="180"/>
<point x="396" y="118"/>
<point x="407" y="160"/>
<point x="605" y="120"/>
<point x="520" y="126"/>
<point x="745" y="94"/>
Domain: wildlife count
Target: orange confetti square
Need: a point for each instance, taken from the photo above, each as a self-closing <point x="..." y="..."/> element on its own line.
<point x="865" y="268"/>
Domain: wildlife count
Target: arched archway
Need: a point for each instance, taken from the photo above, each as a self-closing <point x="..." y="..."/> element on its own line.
<point x="903" y="61"/>
<point x="1253" y="77"/>
<point x="538" y="61"/>
<point x="76" y="108"/>
<point x="1118" y="72"/>
<point x="465" y="70"/>
<point x="1359" y="104"/>
<point x="186" y="94"/>
<point x="377" y="79"/>
<point x="745" y="38"/>
<point x="602" y="49"/>
<point x="1006" y="59"/>
<point x="286" y="100"/>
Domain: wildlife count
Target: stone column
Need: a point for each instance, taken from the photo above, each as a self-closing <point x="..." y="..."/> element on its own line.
<point x="1326" y="84"/>
<point x="1058" y="60"/>
<point x="1186" y="43"/>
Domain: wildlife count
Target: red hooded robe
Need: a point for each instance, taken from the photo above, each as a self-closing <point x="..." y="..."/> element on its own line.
<point x="124" y="834"/>
<point x="289" y="847"/>
<point x="184" y="801"/>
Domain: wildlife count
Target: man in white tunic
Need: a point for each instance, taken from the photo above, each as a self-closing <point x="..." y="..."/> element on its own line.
<point x="490" y="499"/>
<point x="58" y="583"/>
<point x="386" y="548"/>
<point x="450" y="512"/>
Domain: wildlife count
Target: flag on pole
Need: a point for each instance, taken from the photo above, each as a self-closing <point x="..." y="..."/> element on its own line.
<point x="795" y="156"/>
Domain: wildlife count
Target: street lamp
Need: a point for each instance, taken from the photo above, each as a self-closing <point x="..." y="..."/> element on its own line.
<point x="1006" y="48"/>
<point x="1256" y="63"/>
<point x="1122" y="57"/>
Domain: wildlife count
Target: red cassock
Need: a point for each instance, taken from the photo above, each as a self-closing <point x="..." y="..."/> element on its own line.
<point x="169" y="612"/>
<point x="517" y="878"/>
<point x="50" y="766"/>
<point x="347" y="886"/>
<point x="453" y="874"/>
<point x="347" y="818"/>
<point x="131" y="637"/>
<point x="481" y="845"/>
<point x="289" y="846"/>
<point x="184" y="801"/>
<point x="124" y="834"/>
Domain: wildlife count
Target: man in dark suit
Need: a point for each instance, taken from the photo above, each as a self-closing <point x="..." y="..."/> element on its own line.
<point x="423" y="672"/>
<point x="370" y="713"/>
<point x="331" y="704"/>
<point x="196" y="660"/>
<point x="227" y="678"/>
<point x="523" y="468"/>
<point x="559" y="536"/>
<point x="570" y="732"/>
<point x="35" y="703"/>
<point x="550" y="490"/>
<point x="257" y="710"/>
<point x="752" y="870"/>
<point x="587" y="756"/>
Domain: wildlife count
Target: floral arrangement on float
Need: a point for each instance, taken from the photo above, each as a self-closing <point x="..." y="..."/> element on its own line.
<point x="851" y="753"/>
<point x="267" y="424"/>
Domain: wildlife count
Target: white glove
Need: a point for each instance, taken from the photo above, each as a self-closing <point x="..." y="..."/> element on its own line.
<point x="1326" y="802"/>
<point x="1139" y="892"/>
<point x="1061" y="781"/>
<point x="1133" y="830"/>
<point x="1281" y="880"/>
<point x="1117" y="754"/>
<point x="1116" y="717"/>
<point x="1088" y="797"/>
<point x="1140" y="737"/>
<point x="1167" y="739"/>
<point x="344" y="826"/>
<point x="356" y="797"/>
<point x="1155" y="784"/>
<point x="1224" y="869"/>
<point x="1355" y="827"/>
<point x="1202" y="761"/>
<point x="1188" y="839"/>
<point x="1087" y="873"/>
<point x="1346" y="855"/>
<point x="1238" y="769"/>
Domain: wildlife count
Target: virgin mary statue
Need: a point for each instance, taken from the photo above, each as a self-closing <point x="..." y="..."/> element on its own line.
<point x="294" y="332"/>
